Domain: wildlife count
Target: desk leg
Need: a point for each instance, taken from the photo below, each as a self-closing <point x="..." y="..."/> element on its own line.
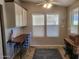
<point x="20" y="51"/>
<point x="78" y="56"/>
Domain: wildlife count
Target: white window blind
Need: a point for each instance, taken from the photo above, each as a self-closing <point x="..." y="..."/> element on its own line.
<point x="38" y="25"/>
<point x="52" y="25"/>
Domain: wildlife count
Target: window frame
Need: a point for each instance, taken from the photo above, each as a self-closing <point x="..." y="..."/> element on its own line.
<point x="75" y="10"/>
<point x="32" y="26"/>
<point x="57" y="25"/>
<point x="45" y="25"/>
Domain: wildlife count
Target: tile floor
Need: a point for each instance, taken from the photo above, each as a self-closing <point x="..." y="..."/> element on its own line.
<point x="31" y="50"/>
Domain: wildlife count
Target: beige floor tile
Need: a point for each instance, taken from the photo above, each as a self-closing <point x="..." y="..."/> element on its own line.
<point x="30" y="53"/>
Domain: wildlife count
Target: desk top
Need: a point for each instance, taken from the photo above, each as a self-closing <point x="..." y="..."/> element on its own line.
<point x="19" y="39"/>
<point x="70" y="42"/>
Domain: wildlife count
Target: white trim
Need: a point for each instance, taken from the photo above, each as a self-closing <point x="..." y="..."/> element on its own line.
<point x="47" y="46"/>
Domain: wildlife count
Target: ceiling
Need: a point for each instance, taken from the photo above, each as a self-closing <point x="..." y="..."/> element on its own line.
<point x="60" y="2"/>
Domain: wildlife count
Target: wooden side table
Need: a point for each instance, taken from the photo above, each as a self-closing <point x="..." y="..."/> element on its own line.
<point x="71" y="49"/>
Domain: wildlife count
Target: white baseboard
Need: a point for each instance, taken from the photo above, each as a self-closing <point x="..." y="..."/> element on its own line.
<point x="47" y="46"/>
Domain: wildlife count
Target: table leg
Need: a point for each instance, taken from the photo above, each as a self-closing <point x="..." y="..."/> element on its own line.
<point x="20" y="51"/>
<point x="78" y="56"/>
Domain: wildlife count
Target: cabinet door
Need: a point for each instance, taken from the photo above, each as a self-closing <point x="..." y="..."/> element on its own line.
<point x="21" y="16"/>
<point x="24" y="17"/>
<point x="17" y="15"/>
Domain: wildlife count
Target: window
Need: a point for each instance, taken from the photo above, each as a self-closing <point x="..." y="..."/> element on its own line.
<point x="74" y="21"/>
<point x="48" y="26"/>
<point x="52" y="25"/>
<point x="38" y="25"/>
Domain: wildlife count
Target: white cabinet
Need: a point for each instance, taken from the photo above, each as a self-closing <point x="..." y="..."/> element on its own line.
<point x="16" y="15"/>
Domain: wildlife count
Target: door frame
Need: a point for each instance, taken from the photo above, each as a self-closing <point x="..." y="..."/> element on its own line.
<point x="3" y="33"/>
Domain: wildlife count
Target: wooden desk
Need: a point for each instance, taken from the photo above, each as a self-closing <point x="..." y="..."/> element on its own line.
<point x="76" y="47"/>
<point x="18" y="41"/>
<point x="71" y="48"/>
